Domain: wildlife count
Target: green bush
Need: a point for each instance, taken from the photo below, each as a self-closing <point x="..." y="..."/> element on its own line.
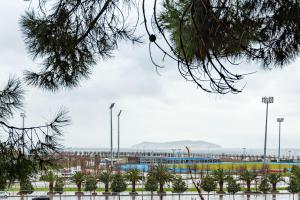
<point x="118" y="183"/>
<point x="59" y="186"/>
<point x="179" y="185"/>
<point x="233" y="187"/>
<point x="90" y="184"/>
<point x="26" y="187"/>
<point x="208" y="184"/>
<point x="293" y="185"/>
<point x="151" y="184"/>
<point x="264" y="185"/>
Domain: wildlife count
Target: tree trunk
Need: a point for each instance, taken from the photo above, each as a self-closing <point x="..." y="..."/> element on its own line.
<point x="161" y="187"/>
<point x="248" y="186"/>
<point x="106" y="187"/>
<point x="51" y="186"/>
<point x="133" y="186"/>
<point x="79" y="187"/>
<point x="274" y="187"/>
<point x="221" y="183"/>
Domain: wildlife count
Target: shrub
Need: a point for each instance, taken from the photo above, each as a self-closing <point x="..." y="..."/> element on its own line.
<point x="118" y="183"/>
<point x="151" y="184"/>
<point x="179" y="185"/>
<point x="59" y="186"/>
<point x="90" y="184"/>
<point x="26" y="187"/>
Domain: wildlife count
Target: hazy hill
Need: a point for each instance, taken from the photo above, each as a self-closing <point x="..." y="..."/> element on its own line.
<point x="181" y="144"/>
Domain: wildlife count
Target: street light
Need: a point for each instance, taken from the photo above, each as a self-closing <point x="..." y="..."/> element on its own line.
<point x="111" y="136"/>
<point x="119" y="134"/>
<point x="279" y="120"/>
<point x="23" y="132"/>
<point x="266" y="100"/>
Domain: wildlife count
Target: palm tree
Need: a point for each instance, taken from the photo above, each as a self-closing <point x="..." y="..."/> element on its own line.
<point x="220" y="176"/>
<point x="105" y="178"/>
<point x="49" y="177"/>
<point x="78" y="178"/>
<point x="248" y="177"/>
<point x="134" y="175"/>
<point x="274" y="178"/>
<point x="162" y="176"/>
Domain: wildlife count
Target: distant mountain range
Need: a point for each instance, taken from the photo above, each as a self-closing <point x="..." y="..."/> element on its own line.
<point x="181" y="144"/>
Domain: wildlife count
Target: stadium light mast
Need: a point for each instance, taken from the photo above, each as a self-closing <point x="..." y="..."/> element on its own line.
<point x="118" y="155"/>
<point x="267" y="101"/>
<point x="111" y="135"/>
<point x="279" y="120"/>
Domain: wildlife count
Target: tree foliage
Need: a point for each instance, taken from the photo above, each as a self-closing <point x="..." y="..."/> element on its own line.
<point x="134" y="175"/>
<point x="105" y="177"/>
<point x="179" y="185"/>
<point x="264" y="185"/>
<point x="220" y="176"/>
<point x="208" y="184"/>
<point x="233" y="187"/>
<point x="90" y="184"/>
<point x="248" y="176"/>
<point x="274" y="179"/>
<point x="118" y="183"/>
<point x="207" y="38"/>
<point x="78" y="179"/>
<point x="293" y="185"/>
<point x="207" y="35"/>
<point x="49" y="177"/>
<point x="151" y="184"/>
<point x="162" y="175"/>
<point x="26" y="186"/>
<point x="71" y="35"/>
<point x="24" y="151"/>
<point x="59" y="185"/>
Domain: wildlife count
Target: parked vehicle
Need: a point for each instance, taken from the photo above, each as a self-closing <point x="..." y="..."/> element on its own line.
<point x="3" y="194"/>
<point x="41" y="198"/>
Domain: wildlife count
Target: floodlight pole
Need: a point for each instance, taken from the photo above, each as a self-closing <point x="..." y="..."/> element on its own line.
<point x="118" y="155"/>
<point x="279" y="120"/>
<point x="111" y="136"/>
<point x="266" y="100"/>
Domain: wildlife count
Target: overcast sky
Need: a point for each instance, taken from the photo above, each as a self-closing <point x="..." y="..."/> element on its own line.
<point x="156" y="108"/>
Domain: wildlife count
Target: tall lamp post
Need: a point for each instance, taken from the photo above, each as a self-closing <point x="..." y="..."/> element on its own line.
<point x="279" y="120"/>
<point x="23" y="132"/>
<point x="267" y="101"/>
<point x="111" y="136"/>
<point x="119" y="134"/>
